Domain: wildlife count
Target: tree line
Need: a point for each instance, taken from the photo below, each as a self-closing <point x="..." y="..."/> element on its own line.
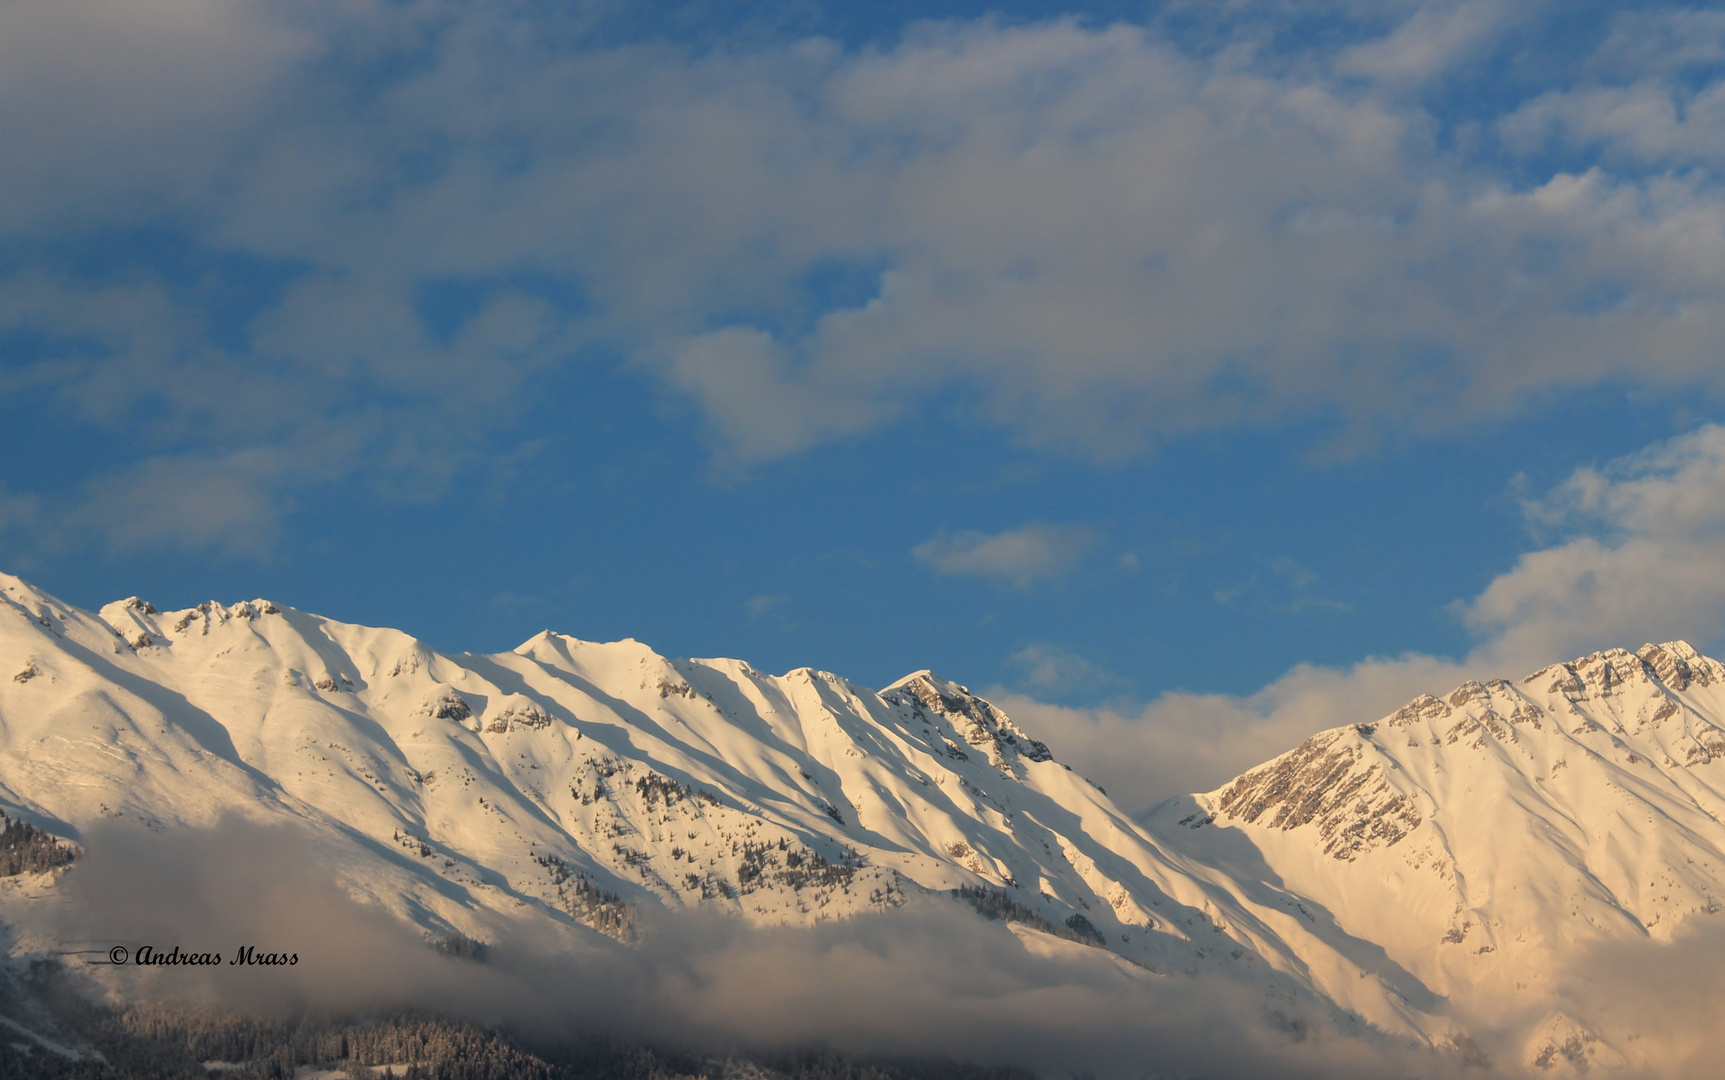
<point x="25" y="849"/>
<point x="157" y="1042"/>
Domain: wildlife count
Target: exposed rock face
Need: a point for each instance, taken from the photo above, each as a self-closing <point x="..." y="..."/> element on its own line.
<point x="1671" y="664"/>
<point x="979" y="723"/>
<point x="1326" y="782"/>
<point x="516" y="713"/>
<point x="444" y="703"/>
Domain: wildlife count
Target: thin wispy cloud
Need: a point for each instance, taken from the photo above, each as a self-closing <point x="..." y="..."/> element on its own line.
<point x="1051" y="668"/>
<point x="1019" y="557"/>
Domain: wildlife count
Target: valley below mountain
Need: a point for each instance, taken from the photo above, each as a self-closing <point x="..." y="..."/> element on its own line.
<point x="1516" y="878"/>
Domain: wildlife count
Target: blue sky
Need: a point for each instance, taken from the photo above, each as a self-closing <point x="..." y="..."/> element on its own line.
<point x="1182" y="373"/>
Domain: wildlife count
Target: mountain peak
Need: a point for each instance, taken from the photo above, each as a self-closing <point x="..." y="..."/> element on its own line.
<point x="924" y="675"/>
<point x="1412" y="874"/>
<point x="981" y="724"/>
<point x="1487" y="839"/>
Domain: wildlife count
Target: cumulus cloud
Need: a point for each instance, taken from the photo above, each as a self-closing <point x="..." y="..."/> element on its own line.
<point x="1641" y="557"/>
<point x="1650" y="100"/>
<point x="1645" y="561"/>
<point x="1646" y="122"/>
<point x="1096" y="237"/>
<point x="1020" y="557"/>
<point x="756" y="407"/>
<point x="1183" y="742"/>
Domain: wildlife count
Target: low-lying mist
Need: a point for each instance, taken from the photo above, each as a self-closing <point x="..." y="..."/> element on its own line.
<point x="929" y="979"/>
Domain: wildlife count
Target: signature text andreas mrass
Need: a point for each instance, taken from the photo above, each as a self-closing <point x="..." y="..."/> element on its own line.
<point x="149" y="955"/>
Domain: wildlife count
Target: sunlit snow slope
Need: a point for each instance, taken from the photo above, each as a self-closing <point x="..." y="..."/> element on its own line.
<point x="583" y="783"/>
<point x="1487" y="841"/>
<point x="1437" y="874"/>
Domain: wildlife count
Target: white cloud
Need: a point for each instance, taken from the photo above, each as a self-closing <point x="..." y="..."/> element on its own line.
<point x="117" y="111"/>
<point x="755" y="407"/>
<point x="1649" y="563"/>
<point x="198" y="502"/>
<point x="1023" y="556"/>
<point x="1644" y="561"/>
<point x="1642" y="104"/>
<point x="1183" y="742"/>
<point x="1432" y="40"/>
<point x="1101" y="241"/>
<point x="1647" y="122"/>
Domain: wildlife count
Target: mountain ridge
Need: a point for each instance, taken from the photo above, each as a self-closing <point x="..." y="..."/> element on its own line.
<point x="1427" y="875"/>
<point x="290" y="686"/>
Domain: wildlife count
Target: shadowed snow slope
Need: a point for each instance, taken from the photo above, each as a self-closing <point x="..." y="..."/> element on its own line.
<point x="1435" y="875"/>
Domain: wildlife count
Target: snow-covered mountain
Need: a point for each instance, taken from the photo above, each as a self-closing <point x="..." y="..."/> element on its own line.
<point x="1491" y="843"/>
<point x="576" y="781"/>
<point x="1431" y="877"/>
